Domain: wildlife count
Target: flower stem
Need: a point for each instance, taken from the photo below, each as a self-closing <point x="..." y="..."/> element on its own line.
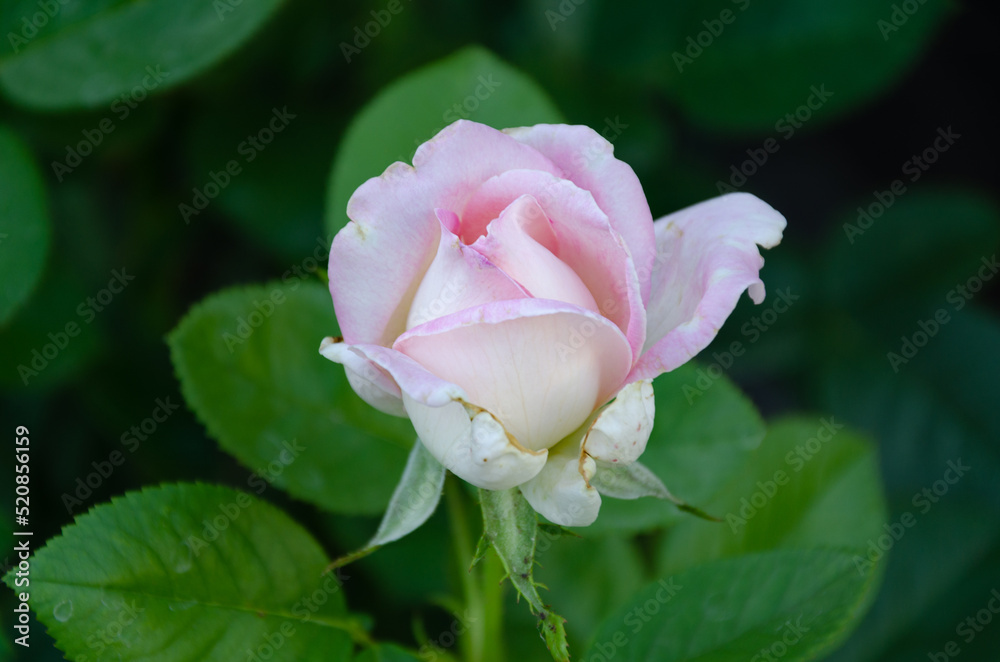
<point x="493" y="589"/>
<point x="481" y="586"/>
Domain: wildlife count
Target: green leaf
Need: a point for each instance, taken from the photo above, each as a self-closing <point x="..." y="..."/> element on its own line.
<point x="628" y="481"/>
<point x="89" y="53"/>
<point x="938" y="407"/>
<point x="924" y="567"/>
<point x="510" y="526"/>
<point x="743" y="65"/>
<point x="414" y="108"/>
<point x="783" y="604"/>
<point x="936" y="410"/>
<point x="415" y="498"/>
<point x="413" y="502"/>
<point x="812" y="483"/>
<point x="24" y="224"/>
<point x="704" y="433"/>
<point x="634" y="481"/>
<point x="249" y="367"/>
<point x="189" y="572"/>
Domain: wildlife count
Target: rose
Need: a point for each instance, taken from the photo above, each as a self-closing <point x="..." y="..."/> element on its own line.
<point x="511" y="294"/>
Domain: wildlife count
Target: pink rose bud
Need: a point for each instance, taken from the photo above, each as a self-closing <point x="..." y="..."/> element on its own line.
<point x="511" y="294"/>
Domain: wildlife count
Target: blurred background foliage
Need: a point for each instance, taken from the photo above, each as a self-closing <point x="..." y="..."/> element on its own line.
<point x="885" y="81"/>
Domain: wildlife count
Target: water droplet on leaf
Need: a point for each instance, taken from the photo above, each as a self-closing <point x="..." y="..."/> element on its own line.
<point x="63" y="611"/>
<point x="183" y="564"/>
<point x="181" y="606"/>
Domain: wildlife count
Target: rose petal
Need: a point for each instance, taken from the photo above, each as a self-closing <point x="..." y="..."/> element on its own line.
<point x="621" y="430"/>
<point x="541" y="367"/>
<point x="499" y="192"/>
<point x="393" y="224"/>
<point x="521" y="243"/>
<point x="561" y="491"/>
<point x="706" y="257"/>
<point x="588" y="160"/>
<point x="586" y="241"/>
<point x="449" y="219"/>
<point x="409" y="376"/>
<point x="458" y="278"/>
<point x="473" y="445"/>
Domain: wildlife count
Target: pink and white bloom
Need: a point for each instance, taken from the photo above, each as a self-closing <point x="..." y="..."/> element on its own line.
<point x="511" y="294"/>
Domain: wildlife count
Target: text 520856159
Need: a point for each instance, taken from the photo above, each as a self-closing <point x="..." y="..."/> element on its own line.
<point x="22" y="548"/>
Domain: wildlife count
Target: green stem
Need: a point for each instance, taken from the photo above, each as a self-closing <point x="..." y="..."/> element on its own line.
<point x="493" y="589"/>
<point x="483" y="601"/>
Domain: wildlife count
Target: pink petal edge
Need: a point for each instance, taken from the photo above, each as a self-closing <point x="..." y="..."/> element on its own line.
<point x="707" y="256"/>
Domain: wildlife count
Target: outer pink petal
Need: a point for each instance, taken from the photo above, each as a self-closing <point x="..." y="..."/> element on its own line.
<point x="409" y="376"/>
<point x="372" y="383"/>
<point x="588" y="160"/>
<point x="458" y="278"/>
<point x="466" y="440"/>
<point x="540" y="367"/>
<point x="706" y="257"/>
<point x="393" y="224"/>
<point x="586" y="242"/>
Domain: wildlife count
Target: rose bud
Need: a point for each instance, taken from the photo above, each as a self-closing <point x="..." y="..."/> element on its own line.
<point x="511" y="294"/>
